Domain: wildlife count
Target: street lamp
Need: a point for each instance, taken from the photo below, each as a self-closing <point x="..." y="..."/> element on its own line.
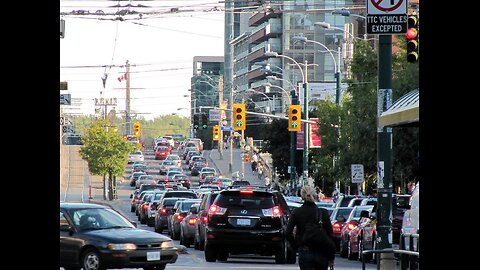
<point x="337" y="65"/>
<point x="347" y="13"/>
<point x="289" y="98"/>
<point x="305" y="114"/>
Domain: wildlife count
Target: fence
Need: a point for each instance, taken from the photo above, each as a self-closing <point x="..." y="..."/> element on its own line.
<point x="408" y="255"/>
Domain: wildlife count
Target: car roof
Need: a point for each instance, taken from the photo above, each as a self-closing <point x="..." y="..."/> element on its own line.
<point x="77" y="205"/>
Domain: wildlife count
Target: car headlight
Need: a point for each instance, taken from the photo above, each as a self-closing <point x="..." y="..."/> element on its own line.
<point x="127" y="246"/>
<point x="167" y="244"/>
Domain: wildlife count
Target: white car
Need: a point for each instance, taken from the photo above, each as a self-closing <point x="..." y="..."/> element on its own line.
<point x="135" y="156"/>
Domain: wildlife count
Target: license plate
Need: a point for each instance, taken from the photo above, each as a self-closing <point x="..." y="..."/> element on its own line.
<point x="153" y="256"/>
<point x="242" y="221"/>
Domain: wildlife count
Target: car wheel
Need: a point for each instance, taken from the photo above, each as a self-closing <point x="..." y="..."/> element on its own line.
<point x="351" y="255"/>
<point x="91" y="260"/>
<point x="132" y="209"/>
<point x="196" y="245"/>
<point x="201" y="243"/>
<point x="343" y="250"/>
<point x="281" y="254"/>
<point x="210" y="253"/>
<point x="222" y="256"/>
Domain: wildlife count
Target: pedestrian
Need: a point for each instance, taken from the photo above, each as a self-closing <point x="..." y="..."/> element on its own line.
<point x="260" y="170"/>
<point x="254" y="167"/>
<point x="309" y="258"/>
<point x="267" y="181"/>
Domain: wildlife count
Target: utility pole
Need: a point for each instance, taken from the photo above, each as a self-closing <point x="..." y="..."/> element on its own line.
<point x="222" y="110"/>
<point x="228" y="70"/>
<point x="305" y="125"/>
<point x="384" y="145"/>
<point x="232" y="132"/>
<point x="127" y="101"/>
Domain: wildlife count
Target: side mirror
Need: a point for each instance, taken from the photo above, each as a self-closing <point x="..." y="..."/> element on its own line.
<point x="341" y="218"/>
<point x="131" y="196"/>
<point x="193" y="210"/>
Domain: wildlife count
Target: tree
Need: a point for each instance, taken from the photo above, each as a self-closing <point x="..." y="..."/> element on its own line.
<point x="105" y="151"/>
<point x="277" y="143"/>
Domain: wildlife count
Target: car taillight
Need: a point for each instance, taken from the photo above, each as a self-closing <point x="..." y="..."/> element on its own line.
<point x="351" y="226"/>
<point x="336" y="227"/>
<point x="246" y="191"/>
<point x="163" y="210"/>
<point x="180" y="217"/>
<point x="272" y="212"/>
<point x="216" y="210"/>
<point x="145" y="206"/>
<point x="192" y="221"/>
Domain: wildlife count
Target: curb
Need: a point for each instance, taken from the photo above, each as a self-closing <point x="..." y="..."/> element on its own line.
<point x="216" y="166"/>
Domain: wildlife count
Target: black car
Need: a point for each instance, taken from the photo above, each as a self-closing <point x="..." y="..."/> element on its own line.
<point x="95" y="237"/>
<point x="248" y="221"/>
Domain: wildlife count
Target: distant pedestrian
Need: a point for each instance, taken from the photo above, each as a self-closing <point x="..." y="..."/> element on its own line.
<point x="267" y="181"/>
<point x="260" y="170"/>
<point x="254" y="167"/>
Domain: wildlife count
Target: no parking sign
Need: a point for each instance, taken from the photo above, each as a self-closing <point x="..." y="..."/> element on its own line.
<point x="386" y="17"/>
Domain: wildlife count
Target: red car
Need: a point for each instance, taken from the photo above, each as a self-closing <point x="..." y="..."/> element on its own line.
<point x="162" y="152"/>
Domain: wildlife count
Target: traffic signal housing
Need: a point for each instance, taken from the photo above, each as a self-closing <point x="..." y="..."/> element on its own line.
<point x="294" y="118"/>
<point x="240" y="121"/>
<point x="196" y="123"/>
<point x="204" y="121"/>
<point x="412" y="38"/>
<point x="137" y="129"/>
<point x="216" y="133"/>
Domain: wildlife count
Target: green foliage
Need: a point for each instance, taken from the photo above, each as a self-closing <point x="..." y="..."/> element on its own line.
<point x="357" y="142"/>
<point x="104" y="149"/>
<point x="277" y="143"/>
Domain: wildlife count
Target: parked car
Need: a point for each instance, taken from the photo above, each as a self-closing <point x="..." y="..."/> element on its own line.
<point x="97" y="237"/>
<point x="350" y="224"/>
<point x="248" y="221"/>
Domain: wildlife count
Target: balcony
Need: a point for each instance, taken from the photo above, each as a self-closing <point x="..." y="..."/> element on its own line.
<point x="272" y="28"/>
<point x="261" y="17"/>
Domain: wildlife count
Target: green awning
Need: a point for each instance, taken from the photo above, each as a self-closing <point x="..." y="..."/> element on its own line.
<point x="403" y="112"/>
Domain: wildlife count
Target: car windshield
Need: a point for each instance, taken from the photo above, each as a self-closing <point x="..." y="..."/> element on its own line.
<point x="255" y="200"/>
<point x="98" y="219"/>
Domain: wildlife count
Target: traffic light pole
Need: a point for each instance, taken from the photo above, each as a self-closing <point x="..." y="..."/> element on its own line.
<point x="293" y="146"/>
<point x="384" y="146"/>
<point x="305" y="126"/>
<point x="220" y="124"/>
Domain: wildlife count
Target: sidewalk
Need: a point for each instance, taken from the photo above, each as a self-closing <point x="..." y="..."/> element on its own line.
<point x="222" y="165"/>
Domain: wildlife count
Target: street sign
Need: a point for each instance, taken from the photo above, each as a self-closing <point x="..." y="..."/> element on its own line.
<point x="65" y="99"/>
<point x="214" y="115"/>
<point x="357" y="173"/>
<point x="226" y="128"/>
<point x="387" y="17"/>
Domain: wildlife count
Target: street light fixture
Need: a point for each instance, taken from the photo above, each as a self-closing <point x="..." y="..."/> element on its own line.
<point x="305" y="115"/>
<point x="347" y="13"/>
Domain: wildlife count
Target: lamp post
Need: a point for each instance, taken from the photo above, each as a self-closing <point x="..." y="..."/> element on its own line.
<point x="289" y="98"/>
<point x="305" y="115"/>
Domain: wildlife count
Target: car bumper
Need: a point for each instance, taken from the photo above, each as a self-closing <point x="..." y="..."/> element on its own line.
<point x="245" y="240"/>
<point x="137" y="258"/>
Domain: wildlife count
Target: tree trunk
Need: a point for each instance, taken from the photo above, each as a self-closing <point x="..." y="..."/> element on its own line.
<point x="110" y="186"/>
<point x="104" y="189"/>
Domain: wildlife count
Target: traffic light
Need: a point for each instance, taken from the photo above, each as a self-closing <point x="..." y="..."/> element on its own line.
<point x="195" y="121"/>
<point x="412" y="38"/>
<point x="204" y="121"/>
<point x="136" y="129"/>
<point x="216" y="133"/>
<point x="294" y="117"/>
<point x="240" y="121"/>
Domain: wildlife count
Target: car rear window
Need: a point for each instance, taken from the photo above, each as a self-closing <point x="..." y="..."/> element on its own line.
<point x="255" y="200"/>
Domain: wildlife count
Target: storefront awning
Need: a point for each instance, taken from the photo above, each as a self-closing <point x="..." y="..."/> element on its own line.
<point x="403" y="112"/>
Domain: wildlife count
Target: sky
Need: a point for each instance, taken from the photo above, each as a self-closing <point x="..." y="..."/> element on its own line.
<point x="159" y="47"/>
